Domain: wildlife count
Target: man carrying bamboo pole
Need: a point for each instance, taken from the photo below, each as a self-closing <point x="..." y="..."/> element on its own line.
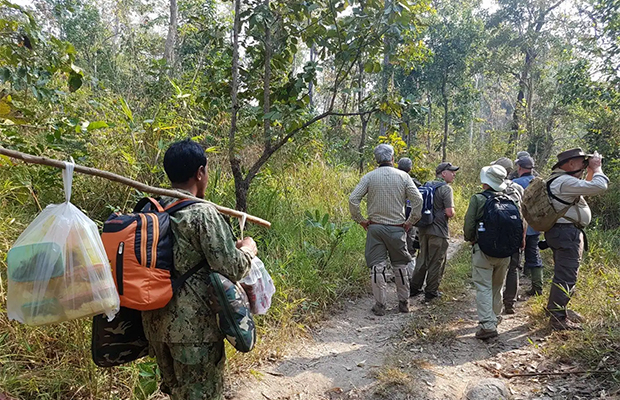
<point x="184" y="336"/>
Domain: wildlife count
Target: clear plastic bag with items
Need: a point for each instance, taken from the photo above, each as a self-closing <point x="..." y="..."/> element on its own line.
<point x="259" y="287"/>
<point x="58" y="269"/>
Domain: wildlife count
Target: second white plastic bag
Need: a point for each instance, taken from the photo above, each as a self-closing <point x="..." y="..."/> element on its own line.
<point x="259" y="287"/>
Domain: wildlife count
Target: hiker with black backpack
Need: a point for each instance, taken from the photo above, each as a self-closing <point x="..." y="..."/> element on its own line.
<point x="494" y="227"/>
<point x="511" y="287"/>
<point x="387" y="190"/>
<point x="184" y="335"/>
<point x="433" y="232"/>
<point x="566" y="237"/>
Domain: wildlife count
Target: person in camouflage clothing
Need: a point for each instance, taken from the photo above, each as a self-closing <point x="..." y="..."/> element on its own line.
<point x="184" y="336"/>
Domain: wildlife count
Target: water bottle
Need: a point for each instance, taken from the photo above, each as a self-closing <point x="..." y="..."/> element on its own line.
<point x="481" y="227"/>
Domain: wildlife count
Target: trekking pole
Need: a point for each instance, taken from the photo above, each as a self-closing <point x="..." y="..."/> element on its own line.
<point x="30" y="159"/>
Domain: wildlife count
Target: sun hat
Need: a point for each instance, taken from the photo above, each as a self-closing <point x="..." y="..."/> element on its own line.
<point x="504" y="162"/>
<point x="494" y="176"/>
<point x="568" y="154"/>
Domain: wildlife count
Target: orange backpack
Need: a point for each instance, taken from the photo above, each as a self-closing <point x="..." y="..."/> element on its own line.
<point x="139" y="247"/>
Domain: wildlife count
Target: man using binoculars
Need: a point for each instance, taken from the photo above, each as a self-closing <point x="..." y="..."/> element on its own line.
<point x="566" y="238"/>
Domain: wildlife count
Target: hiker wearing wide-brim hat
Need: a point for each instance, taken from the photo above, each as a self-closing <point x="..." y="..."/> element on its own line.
<point x="515" y="192"/>
<point x="566" y="238"/>
<point x="491" y="214"/>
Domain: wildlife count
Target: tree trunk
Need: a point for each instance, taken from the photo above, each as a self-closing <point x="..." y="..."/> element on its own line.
<point x="311" y="83"/>
<point x="430" y="120"/>
<point x="360" y="148"/>
<point x="444" y="143"/>
<point x="235" y="164"/>
<point x="172" y="34"/>
<point x="267" y="81"/>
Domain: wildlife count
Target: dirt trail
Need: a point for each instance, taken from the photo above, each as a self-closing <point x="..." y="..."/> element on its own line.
<point x="356" y="355"/>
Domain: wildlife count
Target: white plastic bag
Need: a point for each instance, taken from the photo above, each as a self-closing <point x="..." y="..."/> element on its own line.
<point x="58" y="269"/>
<point x="259" y="287"/>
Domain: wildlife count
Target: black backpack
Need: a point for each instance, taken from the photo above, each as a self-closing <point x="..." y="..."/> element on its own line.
<point x="428" y="202"/>
<point x="500" y="233"/>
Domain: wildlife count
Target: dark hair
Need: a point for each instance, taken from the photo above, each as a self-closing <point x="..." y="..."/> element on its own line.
<point x="183" y="159"/>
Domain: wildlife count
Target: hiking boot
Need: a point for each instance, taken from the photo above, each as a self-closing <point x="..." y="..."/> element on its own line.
<point x="509" y="309"/>
<point x="428" y="297"/>
<point x="534" y="292"/>
<point x="563" y="325"/>
<point x="378" y="309"/>
<point x="486" y="333"/>
<point x="414" y="292"/>
<point x="403" y="306"/>
<point x="574" y="316"/>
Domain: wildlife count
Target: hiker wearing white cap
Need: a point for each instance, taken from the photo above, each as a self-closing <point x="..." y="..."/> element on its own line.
<point x="494" y="227"/>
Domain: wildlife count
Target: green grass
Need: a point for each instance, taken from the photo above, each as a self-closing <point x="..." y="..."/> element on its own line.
<point x="597" y="298"/>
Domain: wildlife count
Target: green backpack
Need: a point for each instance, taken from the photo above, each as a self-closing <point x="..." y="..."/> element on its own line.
<point x="231" y="306"/>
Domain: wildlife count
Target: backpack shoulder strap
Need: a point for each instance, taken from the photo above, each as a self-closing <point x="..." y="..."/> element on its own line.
<point x="554" y="197"/>
<point x="177" y="283"/>
<point x="178" y="205"/>
<point x="488" y="194"/>
<point x="146" y="201"/>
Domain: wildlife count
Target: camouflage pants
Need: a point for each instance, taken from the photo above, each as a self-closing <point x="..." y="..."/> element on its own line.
<point x="191" y="371"/>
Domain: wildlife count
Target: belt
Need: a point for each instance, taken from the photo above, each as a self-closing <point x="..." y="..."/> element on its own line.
<point x="378" y="223"/>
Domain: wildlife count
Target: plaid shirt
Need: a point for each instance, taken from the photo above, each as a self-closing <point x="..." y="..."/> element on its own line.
<point x="388" y="189"/>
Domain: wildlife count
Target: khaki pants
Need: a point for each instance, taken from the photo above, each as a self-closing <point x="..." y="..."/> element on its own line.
<point x="488" y="274"/>
<point x="383" y="242"/>
<point x="430" y="264"/>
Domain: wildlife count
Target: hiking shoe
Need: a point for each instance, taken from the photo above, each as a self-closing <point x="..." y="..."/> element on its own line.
<point x="403" y="306"/>
<point x="378" y="309"/>
<point x="486" y="333"/>
<point x="509" y="309"/>
<point x="563" y="325"/>
<point x="414" y="292"/>
<point x="574" y="316"/>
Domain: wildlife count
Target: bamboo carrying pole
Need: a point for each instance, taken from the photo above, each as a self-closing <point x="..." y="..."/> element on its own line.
<point x="30" y="159"/>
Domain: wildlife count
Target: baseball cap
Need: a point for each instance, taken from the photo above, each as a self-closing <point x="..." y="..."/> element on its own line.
<point x="445" y="166"/>
<point x="526" y="162"/>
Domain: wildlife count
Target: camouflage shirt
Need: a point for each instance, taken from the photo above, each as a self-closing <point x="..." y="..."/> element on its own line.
<point x="199" y="231"/>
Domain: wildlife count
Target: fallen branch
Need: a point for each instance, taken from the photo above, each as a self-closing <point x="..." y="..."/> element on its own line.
<point x="526" y="374"/>
<point x="596" y="371"/>
<point x="30" y="159"/>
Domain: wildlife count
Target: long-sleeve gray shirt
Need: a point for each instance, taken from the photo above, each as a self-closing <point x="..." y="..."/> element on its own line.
<point x="387" y="190"/>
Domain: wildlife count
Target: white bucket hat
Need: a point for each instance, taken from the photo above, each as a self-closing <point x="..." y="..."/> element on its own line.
<point x="494" y="176"/>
